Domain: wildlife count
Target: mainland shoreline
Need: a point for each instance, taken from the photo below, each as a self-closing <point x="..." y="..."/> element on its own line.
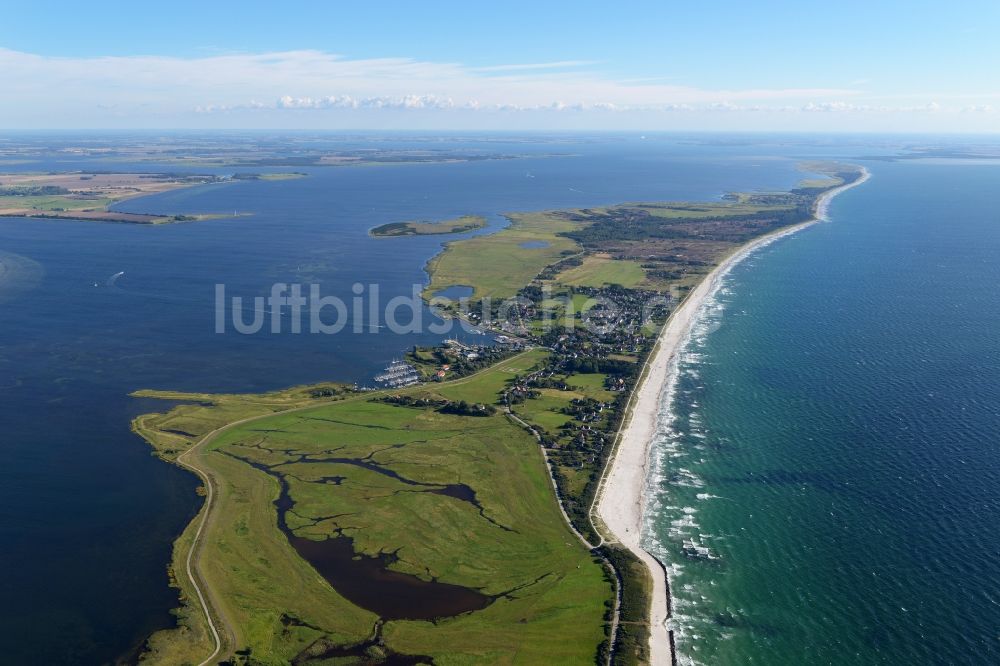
<point x="622" y="497"/>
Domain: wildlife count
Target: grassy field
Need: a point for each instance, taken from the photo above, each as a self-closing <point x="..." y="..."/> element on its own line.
<point x="499" y="264"/>
<point x="592" y="384"/>
<point x="88" y="196"/>
<point x="52" y="203"/>
<point x="513" y="544"/>
<point x="696" y="210"/>
<point x="485" y="387"/>
<point x="457" y="225"/>
<point x="597" y="271"/>
<point x="544" y="410"/>
<point x="289" y="175"/>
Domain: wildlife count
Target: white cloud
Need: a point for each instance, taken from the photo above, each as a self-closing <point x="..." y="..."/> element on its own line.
<point x="348" y="102"/>
<point x="845" y="107"/>
<point x="311" y="88"/>
<point x="561" y="64"/>
<point x="318" y="80"/>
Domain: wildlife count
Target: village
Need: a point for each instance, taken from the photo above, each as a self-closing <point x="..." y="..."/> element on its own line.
<point x="597" y="337"/>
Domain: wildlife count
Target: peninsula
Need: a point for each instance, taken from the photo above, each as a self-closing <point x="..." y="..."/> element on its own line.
<point x="79" y="195"/>
<point x="495" y="504"/>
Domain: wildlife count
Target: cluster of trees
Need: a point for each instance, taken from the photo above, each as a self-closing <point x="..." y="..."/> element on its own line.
<point x="463" y="408"/>
<point x="32" y="190"/>
<point x="634" y="224"/>
<point x="411" y="401"/>
<point x="393" y="229"/>
<point x="609" y="366"/>
<point x="518" y="396"/>
<point x="580" y="408"/>
<point x="328" y="391"/>
<point x="457" y="408"/>
<point x="460" y="365"/>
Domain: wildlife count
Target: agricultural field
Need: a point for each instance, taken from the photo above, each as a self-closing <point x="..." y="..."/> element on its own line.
<point x="89" y="196"/>
<point x="602" y="270"/>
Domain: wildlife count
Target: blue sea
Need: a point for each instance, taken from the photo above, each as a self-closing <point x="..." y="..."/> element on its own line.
<point x="833" y="431"/>
<point x="833" y="437"/>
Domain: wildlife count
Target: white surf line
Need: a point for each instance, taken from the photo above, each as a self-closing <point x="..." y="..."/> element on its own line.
<point x="620" y="501"/>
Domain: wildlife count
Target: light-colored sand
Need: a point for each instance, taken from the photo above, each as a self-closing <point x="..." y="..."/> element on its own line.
<point x="621" y="500"/>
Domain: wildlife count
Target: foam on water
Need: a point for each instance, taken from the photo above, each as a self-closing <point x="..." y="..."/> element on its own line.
<point x="828" y="430"/>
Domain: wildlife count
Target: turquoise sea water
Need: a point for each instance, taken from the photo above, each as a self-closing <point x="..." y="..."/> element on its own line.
<point x="834" y="437"/>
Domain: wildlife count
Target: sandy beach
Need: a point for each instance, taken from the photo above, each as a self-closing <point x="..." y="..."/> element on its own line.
<point x="621" y="498"/>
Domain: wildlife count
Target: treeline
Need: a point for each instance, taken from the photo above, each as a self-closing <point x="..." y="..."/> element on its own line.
<point x="633" y="224"/>
<point x="410" y="401"/>
<point x="463" y="408"/>
<point x="32" y="190"/>
<point x="455" y="408"/>
<point x="592" y="365"/>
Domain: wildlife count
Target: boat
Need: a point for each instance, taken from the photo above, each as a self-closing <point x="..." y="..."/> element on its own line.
<point x="398" y="374"/>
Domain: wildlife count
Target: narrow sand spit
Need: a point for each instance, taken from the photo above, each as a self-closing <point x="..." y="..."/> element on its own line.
<point x="621" y="500"/>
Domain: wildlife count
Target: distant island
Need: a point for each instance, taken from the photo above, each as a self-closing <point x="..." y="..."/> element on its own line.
<point x="456" y="225"/>
<point x="79" y="195"/>
<point x="208" y="153"/>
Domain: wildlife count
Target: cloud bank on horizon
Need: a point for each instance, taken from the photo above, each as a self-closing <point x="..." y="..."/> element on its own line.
<point x="313" y="89"/>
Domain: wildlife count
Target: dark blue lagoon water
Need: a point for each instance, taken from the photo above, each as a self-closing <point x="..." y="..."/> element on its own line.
<point x="834" y="436"/>
<point x="87" y="516"/>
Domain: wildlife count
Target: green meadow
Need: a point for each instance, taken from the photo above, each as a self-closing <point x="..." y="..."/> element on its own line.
<point x="389" y="459"/>
<point x="53" y="202"/>
<point x="498" y="265"/>
<point x="598" y="271"/>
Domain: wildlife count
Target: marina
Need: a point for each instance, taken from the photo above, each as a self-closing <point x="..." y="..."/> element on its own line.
<point x="397" y="375"/>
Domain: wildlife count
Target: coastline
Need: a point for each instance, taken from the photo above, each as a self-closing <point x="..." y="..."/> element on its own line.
<point x="622" y="495"/>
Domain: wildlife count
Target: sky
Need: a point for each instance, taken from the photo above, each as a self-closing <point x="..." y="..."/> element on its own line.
<point x="768" y="65"/>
